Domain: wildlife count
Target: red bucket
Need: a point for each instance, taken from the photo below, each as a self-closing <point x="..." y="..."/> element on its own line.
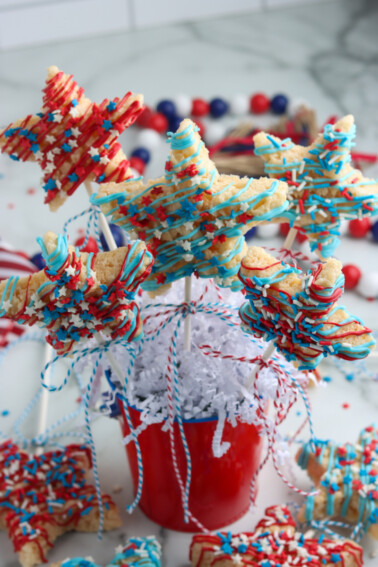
<point x="220" y="487"/>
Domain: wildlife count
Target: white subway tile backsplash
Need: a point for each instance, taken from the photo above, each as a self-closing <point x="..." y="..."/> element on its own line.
<point x="42" y="22"/>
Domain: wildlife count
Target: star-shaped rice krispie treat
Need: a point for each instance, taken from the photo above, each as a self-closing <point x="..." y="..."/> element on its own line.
<point x="274" y="543"/>
<point x="193" y="218"/>
<point x="347" y="478"/>
<point x="45" y="496"/>
<point x="323" y="186"/>
<point x="78" y="295"/>
<point x="72" y="138"/>
<point x="298" y="311"/>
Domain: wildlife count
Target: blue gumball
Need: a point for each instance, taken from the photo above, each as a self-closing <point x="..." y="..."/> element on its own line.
<point x="38" y="261"/>
<point x="142" y="153"/>
<point x="250" y="234"/>
<point x="117" y="233"/>
<point x="167" y="107"/>
<point x="174" y="123"/>
<point x="279" y="103"/>
<point x="218" y="107"/>
<point x="374" y="231"/>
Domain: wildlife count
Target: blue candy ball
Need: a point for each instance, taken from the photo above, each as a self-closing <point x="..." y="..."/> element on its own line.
<point x="251" y="233"/>
<point x="174" y="123"/>
<point x="167" y="107"/>
<point x="374" y="231"/>
<point x="279" y="103"/>
<point x="218" y="107"/>
<point x="142" y="153"/>
<point x="117" y="235"/>
<point x="38" y="261"/>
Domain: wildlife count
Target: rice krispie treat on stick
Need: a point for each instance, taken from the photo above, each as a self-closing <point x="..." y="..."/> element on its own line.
<point x="72" y="138"/>
<point x="78" y="295"/>
<point x="323" y="186"/>
<point x="299" y="312"/>
<point x="193" y="218"/>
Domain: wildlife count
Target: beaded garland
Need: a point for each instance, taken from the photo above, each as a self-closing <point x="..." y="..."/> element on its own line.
<point x="42" y="497"/>
<point x="192" y="218"/>
<point x="139" y="552"/>
<point x="73" y="139"/>
<point x="299" y="312"/>
<point x="74" y="303"/>
<point x="347" y="477"/>
<point x="323" y="187"/>
<point x="274" y="543"/>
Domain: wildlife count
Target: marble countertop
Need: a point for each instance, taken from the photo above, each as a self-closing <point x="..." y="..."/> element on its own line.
<point x="325" y="54"/>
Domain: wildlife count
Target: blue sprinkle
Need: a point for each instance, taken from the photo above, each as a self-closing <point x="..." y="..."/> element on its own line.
<point x="5" y="413"/>
<point x="327" y="379"/>
<point x="111" y="106"/>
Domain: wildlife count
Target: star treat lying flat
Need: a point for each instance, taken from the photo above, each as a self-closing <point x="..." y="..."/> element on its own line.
<point x="42" y="497"/>
<point x="192" y="218"/>
<point x="72" y="138"/>
<point x="139" y="552"/>
<point x="323" y="186"/>
<point x="347" y="479"/>
<point x="78" y="295"/>
<point x="298" y="311"/>
<point x="274" y="543"/>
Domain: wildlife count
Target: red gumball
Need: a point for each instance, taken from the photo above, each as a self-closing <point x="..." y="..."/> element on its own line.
<point x="137" y="164"/>
<point x="259" y="103"/>
<point x="91" y="245"/>
<point x="352" y="275"/>
<point x="359" y="228"/>
<point x="144" y="117"/>
<point x="201" y="127"/>
<point x="158" y="122"/>
<point x="200" y="107"/>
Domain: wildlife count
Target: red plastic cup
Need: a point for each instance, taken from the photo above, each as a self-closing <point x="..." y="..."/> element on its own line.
<point x="220" y="487"/>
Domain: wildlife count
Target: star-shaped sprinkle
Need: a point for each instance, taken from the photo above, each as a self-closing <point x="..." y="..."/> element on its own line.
<point x="72" y="138"/>
<point x="193" y="204"/>
<point x="274" y="543"/>
<point x="323" y="186"/>
<point x="79" y="294"/>
<point x="42" y="497"/>
<point x="346" y="477"/>
<point x="298" y="311"/>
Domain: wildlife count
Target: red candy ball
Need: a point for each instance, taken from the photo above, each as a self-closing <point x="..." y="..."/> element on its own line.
<point x="201" y="127"/>
<point x="259" y="103"/>
<point x="91" y="245"/>
<point x="284" y="228"/>
<point x="158" y="122"/>
<point x="137" y="164"/>
<point x="200" y="107"/>
<point x="144" y="117"/>
<point x="359" y="228"/>
<point x="352" y="275"/>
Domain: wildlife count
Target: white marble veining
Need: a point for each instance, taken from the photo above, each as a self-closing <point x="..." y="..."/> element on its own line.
<point x="325" y="54"/>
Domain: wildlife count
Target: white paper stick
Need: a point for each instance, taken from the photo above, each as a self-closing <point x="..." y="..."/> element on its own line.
<point x="103" y="222"/>
<point x="188" y="318"/>
<point x="42" y="418"/>
<point x="289" y="240"/>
